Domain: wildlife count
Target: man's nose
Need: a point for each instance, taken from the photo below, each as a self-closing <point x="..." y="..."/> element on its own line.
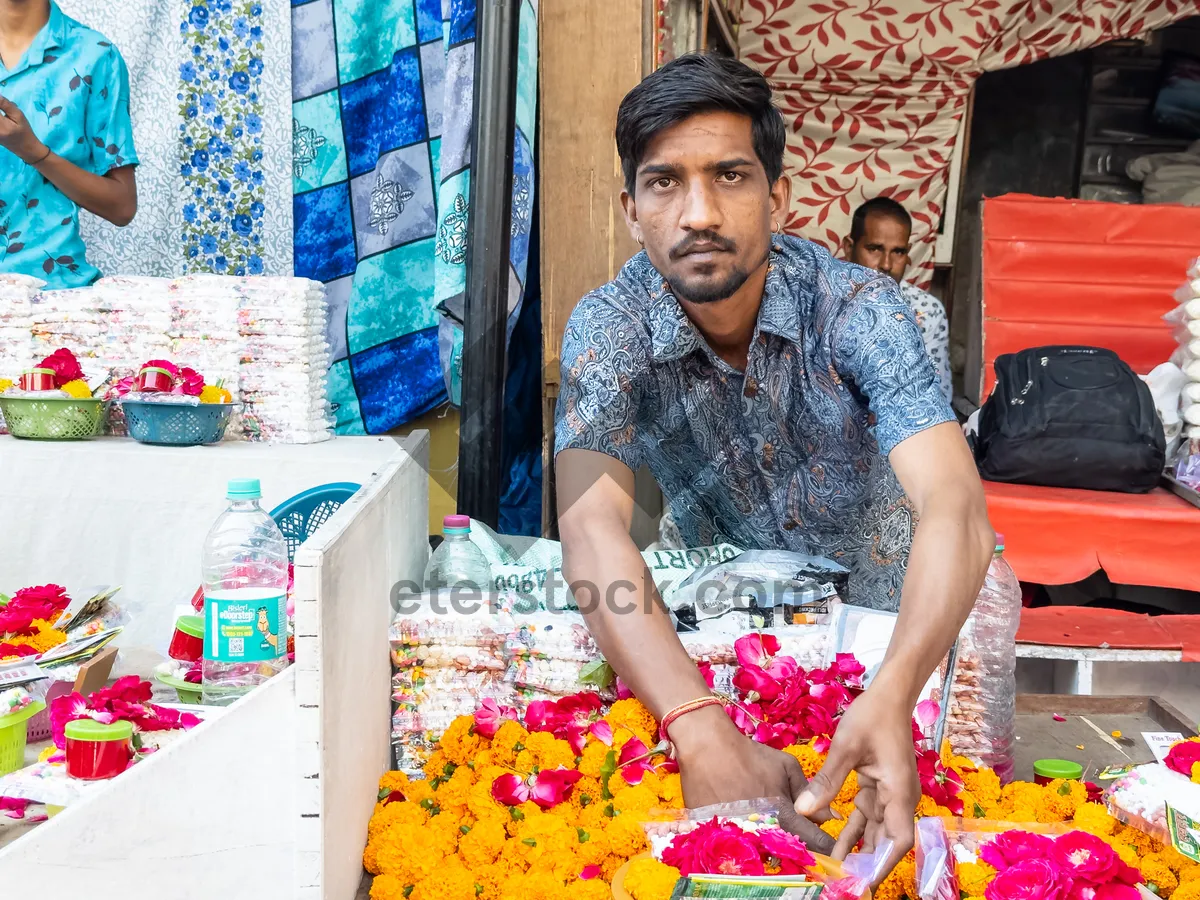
<point x="700" y="210"/>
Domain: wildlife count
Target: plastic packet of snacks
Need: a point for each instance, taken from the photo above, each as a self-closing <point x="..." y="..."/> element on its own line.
<point x="556" y="636"/>
<point x="438" y="617"/>
<point x="551" y="676"/>
<point x="449" y="656"/>
<point x="1139" y="798"/>
<point x="418" y="684"/>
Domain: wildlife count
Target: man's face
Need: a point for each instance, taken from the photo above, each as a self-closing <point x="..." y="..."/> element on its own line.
<point x="883" y="246"/>
<point x="702" y="206"/>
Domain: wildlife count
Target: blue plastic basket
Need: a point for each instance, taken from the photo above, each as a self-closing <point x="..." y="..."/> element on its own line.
<point x="299" y="516"/>
<point x="176" y="424"/>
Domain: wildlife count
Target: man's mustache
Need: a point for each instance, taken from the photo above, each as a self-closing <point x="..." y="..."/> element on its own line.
<point x="718" y="241"/>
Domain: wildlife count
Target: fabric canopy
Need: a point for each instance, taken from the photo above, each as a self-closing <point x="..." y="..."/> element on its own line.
<point x="873" y="91"/>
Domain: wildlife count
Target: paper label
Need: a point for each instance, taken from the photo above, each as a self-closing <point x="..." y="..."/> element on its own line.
<point x="1185" y="833"/>
<point x="22" y="673"/>
<point x="245" y="625"/>
<point x="1160" y="742"/>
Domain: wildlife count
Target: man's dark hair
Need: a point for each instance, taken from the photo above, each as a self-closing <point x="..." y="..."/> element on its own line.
<point x="880" y="206"/>
<point x="692" y="84"/>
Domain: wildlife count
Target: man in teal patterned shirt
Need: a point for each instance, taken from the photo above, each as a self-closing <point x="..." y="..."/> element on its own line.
<point x="65" y="141"/>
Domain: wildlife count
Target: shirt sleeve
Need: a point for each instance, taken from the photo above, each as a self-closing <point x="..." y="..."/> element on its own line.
<point x="878" y="347"/>
<point x="603" y="360"/>
<point x="109" y="130"/>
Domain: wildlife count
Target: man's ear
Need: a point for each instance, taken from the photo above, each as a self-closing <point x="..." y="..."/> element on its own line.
<point x="781" y="199"/>
<point x="629" y="205"/>
<point x="848" y="247"/>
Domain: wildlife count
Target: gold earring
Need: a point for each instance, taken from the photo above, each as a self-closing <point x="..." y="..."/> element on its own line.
<point x="774" y="228"/>
<point x="641" y="241"/>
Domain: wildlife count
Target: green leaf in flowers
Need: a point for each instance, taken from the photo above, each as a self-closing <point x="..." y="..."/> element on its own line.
<point x="4" y="600"/>
<point x="606" y="772"/>
<point x="464" y="829"/>
<point x="584" y="837"/>
<point x="1064" y="789"/>
<point x="610" y="812"/>
<point x="516" y="814"/>
<point x="585" y="799"/>
<point x="529" y="842"/>
<point x="597" y="673"/>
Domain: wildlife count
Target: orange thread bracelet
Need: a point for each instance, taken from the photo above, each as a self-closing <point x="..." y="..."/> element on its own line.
<point x="682" y="710"/>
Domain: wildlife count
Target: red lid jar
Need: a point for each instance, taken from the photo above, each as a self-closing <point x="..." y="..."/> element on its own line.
<point x="187" y="643"/>
<point x="37" y="380"/>
<point x="96" y="751"/>
<point x="152" y="379"/>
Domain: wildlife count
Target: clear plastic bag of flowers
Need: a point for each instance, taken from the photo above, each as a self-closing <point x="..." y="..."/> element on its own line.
<point x="748" y="841"/>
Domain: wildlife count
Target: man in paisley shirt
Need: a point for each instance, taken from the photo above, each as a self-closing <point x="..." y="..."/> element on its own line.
<point x="66" y="141"/>
<point x="782" y="399"/>
<point x="880" y="234"/>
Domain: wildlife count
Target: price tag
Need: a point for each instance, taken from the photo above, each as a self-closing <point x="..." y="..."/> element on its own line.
<point x="1160" y="742"/>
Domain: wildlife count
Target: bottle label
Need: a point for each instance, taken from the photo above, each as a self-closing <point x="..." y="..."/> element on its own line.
<point x="245" y="626"/>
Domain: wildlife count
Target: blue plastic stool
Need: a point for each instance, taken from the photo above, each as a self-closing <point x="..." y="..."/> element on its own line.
<point x="303" y="514"/>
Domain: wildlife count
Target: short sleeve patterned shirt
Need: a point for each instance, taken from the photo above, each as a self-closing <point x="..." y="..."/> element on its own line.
<point x="72" y="86"/>
<point x="791" y="454"/>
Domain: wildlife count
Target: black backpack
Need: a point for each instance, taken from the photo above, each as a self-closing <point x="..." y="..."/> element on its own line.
<point x="1074" y="417"/>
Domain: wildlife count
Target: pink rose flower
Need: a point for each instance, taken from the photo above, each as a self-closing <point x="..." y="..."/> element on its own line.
<point x="791" y="852"/>
<point x="1014" y="847"/>
<point x="65" y="365"/>
<point x="1183" y="756"/>
<point x="490" y="716"/>
<point x="1084" y="858"/>
<point x="713" y="848"/>
<point x="1032" y="879"/>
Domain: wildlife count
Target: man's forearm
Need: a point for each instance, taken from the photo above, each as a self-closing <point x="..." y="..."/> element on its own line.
<point x="111" y="198"/>
<point x="631" y="627"/>
<point x="946" y="567"/>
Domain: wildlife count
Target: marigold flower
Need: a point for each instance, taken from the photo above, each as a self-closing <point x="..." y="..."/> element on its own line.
<point x="1175" y="860"/>
<point x="1128" y="854"/>
<point x="633" y="715"/>
<point x="1188" y="875"/>
<point x="834" y="827"/>
<point x="1060" y="799"/>
<point x="455" y="792"/>
<point x="1094" y="819"/>
<point x="450" y="882"/>
<point x="1023" y="814"/>
<point x="460" y="743"/>
<point x="594" y="846"/>
<point x="595" y="816"/>
<point x="387" y="887"/>
<point x="810" y="760"/>
<point x="648" y="879"/>
<point x="435" y="766"/>
<point x="489" y="879"/>
<point x="1158" y="875"/>
<point x="1138" y="840"/>
<point x="77" y="388"/>
<point x="550" y="752"/>
<point x="635" y="798"/>
<point x="973" y="878"/>
<point x="671" y="791"/>
<point x="393" y="781"/>
<point x="609" y="867"/>
<point x="984" y="784"/>
<point x="535" y="886"/>
<point x="626" y="835"/>
<point x="1189" y="890"/>
<point x="370" y="857"/>
<point x="5" y="384"/>
<point x="443" y="829"/>
<point x="410" y="852"/>
<point x="210" y="393"/>
<point x="595" y="889"/>
<point x="592" y="760"/>
<point x="504" y="744"/>
<point x="399" y="813"/>
<point x="482" y="844"/>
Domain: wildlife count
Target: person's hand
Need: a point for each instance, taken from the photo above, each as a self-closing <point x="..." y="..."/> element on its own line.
<point x="16" y="134"/>
<point x="718" y="764"/>
<point x="874" y="738"/>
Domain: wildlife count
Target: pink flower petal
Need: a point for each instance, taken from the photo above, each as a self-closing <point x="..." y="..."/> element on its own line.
<point x="602" y="732"/>
<point x="1058" y="718"/>
<point x="589" y="872"/>
<point x="927" y="713"/>
<point x="510" y="790"/>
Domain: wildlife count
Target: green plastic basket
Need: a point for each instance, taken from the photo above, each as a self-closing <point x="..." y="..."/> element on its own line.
<point x="13" y="736"/>
<point x="52" y="418"/>
<point x="188" y="691"/>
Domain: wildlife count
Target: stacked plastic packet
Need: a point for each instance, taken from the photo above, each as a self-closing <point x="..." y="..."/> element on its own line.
<point x="16" y="320"/>
<point x="284" y="360"/>
<point x="204" y="333"/>
<point x="1185" y="319"/>
<point x="72" y="319"/>
<point x="136" y="314"/>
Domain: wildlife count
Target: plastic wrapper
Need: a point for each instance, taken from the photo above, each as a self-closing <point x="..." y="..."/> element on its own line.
<point x="936" y="879"/>
<point x="443" y="655"/>
<point x="417" y="685"/>
<point x="552" y="676"/>
<point x="847" y="880"/>
<point x="436" y="622"/>
<point x="797" y="588"/>
<point x="1139" y="799"/>
<point x="558" y="636"/>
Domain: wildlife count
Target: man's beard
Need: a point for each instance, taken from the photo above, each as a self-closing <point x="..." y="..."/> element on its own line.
<point x="709" y="291"/>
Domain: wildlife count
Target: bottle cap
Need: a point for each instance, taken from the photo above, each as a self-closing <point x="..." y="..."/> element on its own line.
<point x="243" y="489"/>
<point x="91" y="730"/>
<point x="999" y="542"/>
<point x="1058" y="768"/>
<point x="193" y="626"/>
<point x="456" y="524"/>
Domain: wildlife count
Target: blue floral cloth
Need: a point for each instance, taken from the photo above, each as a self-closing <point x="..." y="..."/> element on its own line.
<point x="72" y="86"/>
<point x="792" y="454"/>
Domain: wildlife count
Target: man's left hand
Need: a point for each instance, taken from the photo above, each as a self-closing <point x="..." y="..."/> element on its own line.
<point x="874" y="739"/>
<point x="16" y="134"/>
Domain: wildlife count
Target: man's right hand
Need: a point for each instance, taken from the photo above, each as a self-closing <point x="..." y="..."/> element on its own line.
<point x="718" y="764"/>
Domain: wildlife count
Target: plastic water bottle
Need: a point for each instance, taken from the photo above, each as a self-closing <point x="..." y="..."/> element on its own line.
<point x="245" y="573"/>
<point x="457" y="561"/>
<point x="998" y="614"/>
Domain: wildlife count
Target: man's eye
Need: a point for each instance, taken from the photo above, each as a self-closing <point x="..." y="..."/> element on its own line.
<point x="731" y="177"/>
<point x="661" y="183"/>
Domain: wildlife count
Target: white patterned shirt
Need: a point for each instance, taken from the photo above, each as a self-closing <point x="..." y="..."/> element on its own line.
<point x="935" y="330"/>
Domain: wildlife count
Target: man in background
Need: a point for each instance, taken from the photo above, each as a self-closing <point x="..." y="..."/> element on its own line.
<point x="879" y="239"/>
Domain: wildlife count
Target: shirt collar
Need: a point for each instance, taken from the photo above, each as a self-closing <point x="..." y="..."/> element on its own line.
<point x="672" y="334"/>
<point x="52" y="35"/>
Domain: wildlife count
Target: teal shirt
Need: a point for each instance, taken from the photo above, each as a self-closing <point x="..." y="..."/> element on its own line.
<point x="73" y="87"/>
